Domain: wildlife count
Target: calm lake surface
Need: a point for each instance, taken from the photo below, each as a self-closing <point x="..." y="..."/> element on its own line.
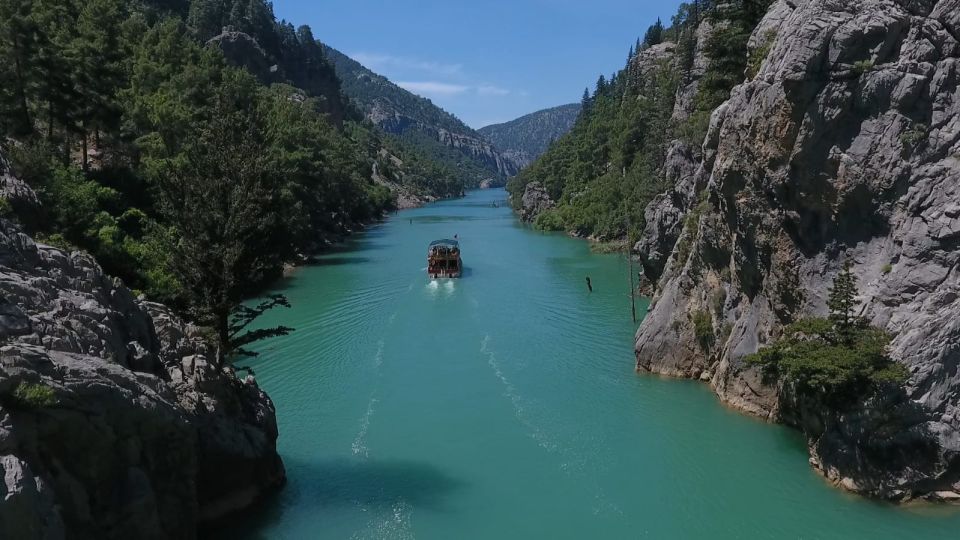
<point x="505" y="405"/>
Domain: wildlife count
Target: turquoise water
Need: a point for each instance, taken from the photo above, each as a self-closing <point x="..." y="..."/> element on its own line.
<point x="505" y="405"/>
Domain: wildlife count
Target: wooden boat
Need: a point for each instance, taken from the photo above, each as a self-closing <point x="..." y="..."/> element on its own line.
<point x="443" y="259"/>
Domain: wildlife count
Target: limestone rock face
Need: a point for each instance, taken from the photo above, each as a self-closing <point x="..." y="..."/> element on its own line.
<point x="113" y="423"/>
<point x="535" y="200"/>
<point x="844" y="146"/>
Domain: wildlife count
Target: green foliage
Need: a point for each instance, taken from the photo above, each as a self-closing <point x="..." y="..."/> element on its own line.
<point x="6" y="208"/>
<point x="862" y="66"/>
<point x="915" y="136"/>
<point x="33" y="396"/>
<point x="549" y="220"/>
<point x="887" y="268"/>
<point x="717" y="300"/>
<point x="843" y="302"/>
<point x="703" y="329"/>
<point x="839" y="372"/>
<point x="111" y="102"/>
<point x="606" y="169"/>
<point x="727" y="49"/>
<point x="758" y="55"/>
<point x="838" y="360"/>
<point x="604" y="172"/>
<point x="654" y="35"/>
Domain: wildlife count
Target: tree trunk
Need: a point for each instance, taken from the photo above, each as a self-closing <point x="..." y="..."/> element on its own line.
<point x="27" y="124"/>
<point x="49" y="120"/>
<point x="86" y="166"/>
<point x="223" y="336"/>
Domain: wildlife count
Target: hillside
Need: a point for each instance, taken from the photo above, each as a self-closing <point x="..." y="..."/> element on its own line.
<point x="420" y="124"/>
<point x="525" y="139"/>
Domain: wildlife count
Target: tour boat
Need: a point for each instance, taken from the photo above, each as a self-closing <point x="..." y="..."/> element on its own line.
<point x="443" y="259"/>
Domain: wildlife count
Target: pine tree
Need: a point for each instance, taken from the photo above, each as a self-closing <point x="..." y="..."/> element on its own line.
<point x="601" y="86"/>
<point x="97" y="61"/>
<point x="843" y="302"/>
<point x="654" y="35"/>
<point x="224" y="196"/>
<point x="585" y="102"/>
<point x="17" y="50"/>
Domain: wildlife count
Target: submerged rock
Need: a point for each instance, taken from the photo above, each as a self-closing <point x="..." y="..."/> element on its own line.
<point x="113" y="422"/>
<point x="844" y="146"/>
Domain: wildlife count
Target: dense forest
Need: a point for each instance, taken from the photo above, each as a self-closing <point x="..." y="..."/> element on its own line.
<point x="155" y="144"/>
<point x="609" y="167"/>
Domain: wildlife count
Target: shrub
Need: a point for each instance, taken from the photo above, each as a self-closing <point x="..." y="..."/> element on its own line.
<point x="33" y="396"/>
<point x="839" y="360"/>
<point x="840" y="371"/>
<point x="862" y="66"/>
<point x="887" y="268"/>
<point x="549" y="220"/>
<point x="703" y="328"/>
<point x="718" y="299"/>
<point x="758" y="55"/>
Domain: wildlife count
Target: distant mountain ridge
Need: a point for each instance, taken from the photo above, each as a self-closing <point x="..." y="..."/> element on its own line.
<point x="525" y="139"/>
<point x="417" y="121"/>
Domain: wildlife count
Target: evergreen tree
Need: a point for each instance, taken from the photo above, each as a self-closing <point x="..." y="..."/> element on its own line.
<point x="654" y="35"/>
<point x="17" y="49"/>
<point x="585" y="102"/>
<point x="601" y="86"/>
<point x="98" y="70"/>
<point x="224" y="195"/>
<point x="843" y="303"/>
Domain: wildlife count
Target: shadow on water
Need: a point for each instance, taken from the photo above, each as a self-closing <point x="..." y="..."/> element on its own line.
<point x="324" y="485"/>
<point x="338" y="261"/>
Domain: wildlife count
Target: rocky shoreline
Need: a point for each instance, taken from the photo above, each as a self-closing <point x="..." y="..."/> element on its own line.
<point x="114" y="423"/>
<point x="844" y="146"/>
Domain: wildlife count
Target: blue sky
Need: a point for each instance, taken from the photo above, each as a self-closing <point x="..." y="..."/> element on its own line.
<point x="486" y="61"/>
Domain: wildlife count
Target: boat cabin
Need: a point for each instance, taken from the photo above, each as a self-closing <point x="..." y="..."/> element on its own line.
<point x="443" y="259"/>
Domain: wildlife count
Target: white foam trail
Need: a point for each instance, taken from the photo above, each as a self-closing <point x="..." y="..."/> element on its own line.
<point x="396" y="524"/>
<point x="537" y="434"/>
<point x="359" y="445"/>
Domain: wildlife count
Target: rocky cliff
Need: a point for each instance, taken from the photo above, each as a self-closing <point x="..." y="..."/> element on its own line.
<point x="113" y="421"/>
<point x="843" y="146"/>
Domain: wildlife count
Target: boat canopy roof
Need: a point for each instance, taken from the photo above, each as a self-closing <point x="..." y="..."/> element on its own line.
<point x="445" y="242"/>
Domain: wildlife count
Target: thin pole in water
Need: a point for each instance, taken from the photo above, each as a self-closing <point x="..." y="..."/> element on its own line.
<point x="633" y="300"/>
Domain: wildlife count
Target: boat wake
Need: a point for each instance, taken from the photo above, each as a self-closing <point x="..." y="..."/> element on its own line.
<point x="393" y="523"/>
<point x="537" y="434"/>
<point x="359" y="446"/>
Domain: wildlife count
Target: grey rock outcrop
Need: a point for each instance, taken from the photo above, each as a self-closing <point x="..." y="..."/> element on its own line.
<point x="242" y="50"/>
<point x="23" y="200"/>
<point x="113" y="423"/>
<point x="535" y="200"/>
<point x="844" y="146"/>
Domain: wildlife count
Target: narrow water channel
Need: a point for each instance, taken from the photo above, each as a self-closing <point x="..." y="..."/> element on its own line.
<point x="505" y="405"/>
